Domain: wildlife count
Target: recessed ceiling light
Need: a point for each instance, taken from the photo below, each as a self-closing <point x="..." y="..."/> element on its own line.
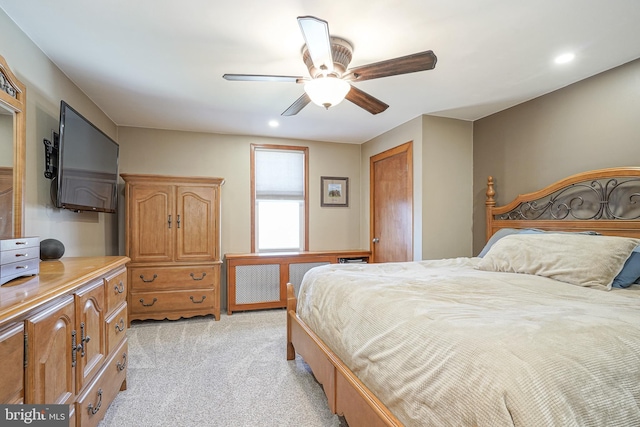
<point x="564" y="58"/>
<point x="274" y="123"/>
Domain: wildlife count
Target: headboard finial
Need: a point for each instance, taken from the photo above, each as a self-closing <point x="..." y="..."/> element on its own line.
<point x="490" y="192"/>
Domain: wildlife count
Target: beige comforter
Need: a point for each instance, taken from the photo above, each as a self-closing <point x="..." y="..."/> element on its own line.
<point x="443" y="344"/>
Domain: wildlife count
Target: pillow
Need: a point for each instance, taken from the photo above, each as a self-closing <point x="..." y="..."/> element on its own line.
<point x="579" y="259"/>
<point x="497" y="236"/>
<point x="630" y="273"/>
<point x="509" y="231"/>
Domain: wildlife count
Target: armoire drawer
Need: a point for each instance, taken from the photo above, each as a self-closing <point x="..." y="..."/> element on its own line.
<point x="116" y="327"/>
<point x="171" y="301"/>
<point x="170" y="278"/>
<point x="97" y="397"/>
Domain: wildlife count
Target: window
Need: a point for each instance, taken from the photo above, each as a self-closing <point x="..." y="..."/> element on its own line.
<point x="279" y="212"/>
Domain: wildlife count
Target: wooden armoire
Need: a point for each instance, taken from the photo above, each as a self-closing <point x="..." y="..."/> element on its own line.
<point x="173" y="240"/>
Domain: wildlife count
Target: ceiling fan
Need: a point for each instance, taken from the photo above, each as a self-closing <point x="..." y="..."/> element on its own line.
<point x="327" y="59"/>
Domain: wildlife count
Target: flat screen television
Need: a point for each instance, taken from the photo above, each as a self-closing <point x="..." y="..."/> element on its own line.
<point x="87" y="168"/>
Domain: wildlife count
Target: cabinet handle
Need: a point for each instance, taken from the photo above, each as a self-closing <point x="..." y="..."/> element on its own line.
<point x="194" y="277"/>
<point x="19" y="255"/>
<point x="120" y="288"/>
<point x="178" y="221"/>
<point x="150" y="280"/>
<point x="20" y="242"/>
<point x="120" y="325"/>
<point x="24" y="267"/>
<point x="83" y="340"/>
<point x="197" y="302"/>
<point x="74" y="349"/>
<point x="121" y="366"/>
<point x="148" y="305"/>
<point x="94" y="410"/>
<point x="169" y="221"/>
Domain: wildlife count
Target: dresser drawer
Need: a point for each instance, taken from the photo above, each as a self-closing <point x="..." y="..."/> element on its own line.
<point x="115" y="289"/>
<point x="20" y="268"/>
<point x="173" y="278"/>
<point x="94" y="401"/>
<point x="116" y="327"/>
<point x="171" y="301"/>
<point x="25" y="242"/>
<point x="17" y="255"/>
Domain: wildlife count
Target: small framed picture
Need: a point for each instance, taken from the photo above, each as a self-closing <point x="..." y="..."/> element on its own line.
<point x="334" y="191"/>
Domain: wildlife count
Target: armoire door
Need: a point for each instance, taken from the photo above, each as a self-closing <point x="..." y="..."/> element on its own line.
<point x="152" y="221"/>
<point x="196" y="228"/>
<point x="50" y="367"/>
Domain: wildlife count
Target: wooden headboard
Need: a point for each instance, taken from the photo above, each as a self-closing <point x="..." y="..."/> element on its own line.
<point x="605" y="200"/>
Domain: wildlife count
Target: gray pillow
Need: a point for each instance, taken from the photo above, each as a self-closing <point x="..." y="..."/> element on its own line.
<point x="497" y="236"/>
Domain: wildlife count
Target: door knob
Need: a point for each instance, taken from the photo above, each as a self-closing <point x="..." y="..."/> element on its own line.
<point x="375" y="240"/>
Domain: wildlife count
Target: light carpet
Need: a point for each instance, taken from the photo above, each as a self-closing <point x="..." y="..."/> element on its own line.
<point x="234" y="372"/>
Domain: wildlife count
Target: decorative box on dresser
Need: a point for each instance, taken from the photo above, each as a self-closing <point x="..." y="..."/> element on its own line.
<point x="63" y="336"/>
<point x="173" y="241"/>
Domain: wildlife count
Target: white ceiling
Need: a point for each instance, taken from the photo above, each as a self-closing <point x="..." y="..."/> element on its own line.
<point x="159" y="63"/>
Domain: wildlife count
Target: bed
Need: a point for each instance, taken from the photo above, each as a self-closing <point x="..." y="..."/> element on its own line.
<point x="542" y="329"/>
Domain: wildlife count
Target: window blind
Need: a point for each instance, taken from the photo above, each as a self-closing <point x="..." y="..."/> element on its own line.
<point x="279" y="174"/>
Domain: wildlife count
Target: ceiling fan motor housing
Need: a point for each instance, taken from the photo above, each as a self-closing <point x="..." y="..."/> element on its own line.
<point x="341" y="52"/>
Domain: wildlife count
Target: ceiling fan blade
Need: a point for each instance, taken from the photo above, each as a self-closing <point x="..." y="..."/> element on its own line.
<point x="392" y="67"/>
<point x="316" y="36"/>
<point x="366" y="101"/>
<point x="263" y="78"/>
<point x="298" y="105"/>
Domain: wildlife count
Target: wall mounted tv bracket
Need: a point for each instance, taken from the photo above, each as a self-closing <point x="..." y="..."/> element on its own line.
<point x="51" y="156"/>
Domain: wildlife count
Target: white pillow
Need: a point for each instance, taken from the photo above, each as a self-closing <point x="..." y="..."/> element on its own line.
<point x="583" y="260"/>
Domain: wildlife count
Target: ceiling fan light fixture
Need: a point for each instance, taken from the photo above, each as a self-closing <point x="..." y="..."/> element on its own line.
<point x="327" y="91"/>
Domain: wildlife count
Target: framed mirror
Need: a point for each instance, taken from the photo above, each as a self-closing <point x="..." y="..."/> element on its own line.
<point x="13" y="104"/>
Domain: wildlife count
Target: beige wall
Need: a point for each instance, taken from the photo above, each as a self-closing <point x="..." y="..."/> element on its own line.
<point x="447" y="171"/>
<point x="589" y="125"/>
<point x="227" y="156"/>
<point x="84" y="233"/>
<point x="442" y="198"/>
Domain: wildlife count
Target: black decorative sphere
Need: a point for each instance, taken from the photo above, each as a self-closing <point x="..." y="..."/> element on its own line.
<point x="51" y="249"/>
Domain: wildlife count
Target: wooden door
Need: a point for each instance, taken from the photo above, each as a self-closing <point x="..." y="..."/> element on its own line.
<point x="391" y="182"/>
<point x="152" y="222"/>
<point x="196" y="225"/>
<point x="90" y="332"/>
<point x="50" y="357"/>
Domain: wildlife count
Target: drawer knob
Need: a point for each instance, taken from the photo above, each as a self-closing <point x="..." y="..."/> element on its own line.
<point x="194" y="277"/>
<point x="94" y="410"/>
<point x="121" y="366"/>
<point x="197" y="302"/>
<point x="148" y="305"/>
<point x="120" y="288"/>
<point x="150" y="280"/>
<point x="120" y="325"/>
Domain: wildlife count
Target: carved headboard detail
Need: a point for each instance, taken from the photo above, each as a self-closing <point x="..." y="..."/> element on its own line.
<point x="604" y="200"/>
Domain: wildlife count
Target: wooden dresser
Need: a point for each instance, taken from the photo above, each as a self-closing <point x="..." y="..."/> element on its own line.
<point x="63" y="336"/>
<point x="173" y="241"/>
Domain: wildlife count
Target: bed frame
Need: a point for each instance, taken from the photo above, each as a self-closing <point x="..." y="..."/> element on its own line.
<point x="606" y="201"/>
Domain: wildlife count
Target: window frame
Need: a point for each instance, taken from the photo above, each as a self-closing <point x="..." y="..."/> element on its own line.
<point x="305" y="152"/>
